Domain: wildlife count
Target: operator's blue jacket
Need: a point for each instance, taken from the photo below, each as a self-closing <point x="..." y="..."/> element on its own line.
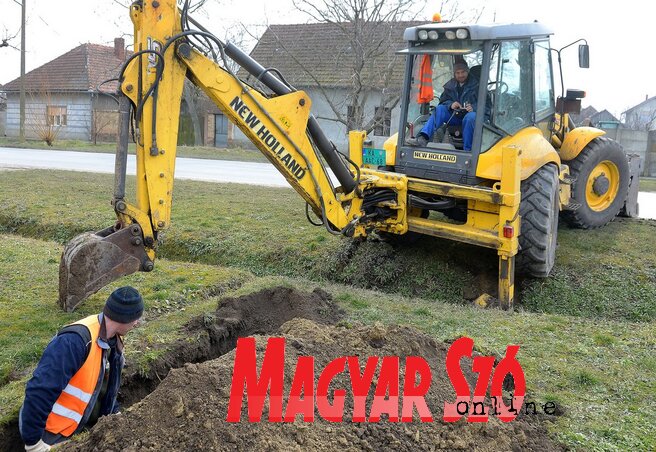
<point x="469" y="94"/>
<point x="61" y="359"/>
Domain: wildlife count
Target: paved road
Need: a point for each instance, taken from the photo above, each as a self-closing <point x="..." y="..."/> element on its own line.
<point x="186" y="168"/>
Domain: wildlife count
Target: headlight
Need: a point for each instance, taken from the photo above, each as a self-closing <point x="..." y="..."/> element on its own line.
<point x="432" y="34"/>
<point x="423" y="35"/>
<point x="450" y="34"/>
<point x="462" y="33"/>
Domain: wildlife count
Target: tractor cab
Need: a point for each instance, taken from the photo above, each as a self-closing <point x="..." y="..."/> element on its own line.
<point x="509" y="87"/>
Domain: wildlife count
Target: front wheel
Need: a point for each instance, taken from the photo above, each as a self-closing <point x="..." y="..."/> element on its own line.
<point x="538" y="211"/>
<point x="601" y="183"/>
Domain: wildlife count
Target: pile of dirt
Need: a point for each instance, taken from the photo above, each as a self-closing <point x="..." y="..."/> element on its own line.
<point x="214" y="334"/>
<point x="188" y="410"/>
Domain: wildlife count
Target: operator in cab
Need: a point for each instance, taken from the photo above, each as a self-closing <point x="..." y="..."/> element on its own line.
<point x="457" y="107"/>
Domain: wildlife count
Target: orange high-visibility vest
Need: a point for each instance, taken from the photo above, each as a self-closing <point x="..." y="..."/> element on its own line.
<point x="425" y="94"/>
<point x="70" y="407"/>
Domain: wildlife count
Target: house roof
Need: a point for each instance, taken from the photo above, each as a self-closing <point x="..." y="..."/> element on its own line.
<point x="321" y="53"/>
<point x="587" y="112"/>
<point x="649" y="99"/>
<point x="593" y="115"/>
<point x="80" y="69"/>
<point x="603" y="115"/>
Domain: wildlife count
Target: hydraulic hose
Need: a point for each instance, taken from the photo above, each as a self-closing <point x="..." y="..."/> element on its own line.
<point x="122" y="146"/>
<point x="322" y="142"/>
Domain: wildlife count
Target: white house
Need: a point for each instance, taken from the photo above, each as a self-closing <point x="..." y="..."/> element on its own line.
<point x="3" y="110"/>
<point x="66" y="96"/>
<point x="319" y="58"/>
<point x="641" y="116"/>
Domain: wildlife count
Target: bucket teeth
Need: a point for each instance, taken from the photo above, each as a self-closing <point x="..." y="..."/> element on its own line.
<point x="90" y="261"/>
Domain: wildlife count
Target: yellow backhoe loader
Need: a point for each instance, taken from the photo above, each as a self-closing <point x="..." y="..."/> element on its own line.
<point x="527" y="163"/>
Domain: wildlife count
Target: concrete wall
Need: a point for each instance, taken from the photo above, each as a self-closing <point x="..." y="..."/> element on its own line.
<point x="3" y="120"/>
<point x="637" y="142"/>
<point x="78" y="111"/>
<point x="650" y="160"/>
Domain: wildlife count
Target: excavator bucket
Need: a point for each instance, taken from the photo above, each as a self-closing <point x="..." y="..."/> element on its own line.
<point x="90" y="261"/>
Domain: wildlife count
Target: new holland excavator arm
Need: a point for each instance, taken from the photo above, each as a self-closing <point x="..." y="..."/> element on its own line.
<point x="281" y="126"/>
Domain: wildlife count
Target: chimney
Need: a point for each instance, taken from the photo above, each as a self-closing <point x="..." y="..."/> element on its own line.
<point x="646" y="96"/>
<point x="119" y="48"/>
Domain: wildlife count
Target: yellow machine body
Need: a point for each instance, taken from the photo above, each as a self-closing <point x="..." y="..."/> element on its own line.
<point x="280" y="126"/>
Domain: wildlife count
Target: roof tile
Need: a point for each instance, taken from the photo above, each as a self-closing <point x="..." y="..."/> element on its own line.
<point x="321" y="53"/>
<point x="80" y="69"/>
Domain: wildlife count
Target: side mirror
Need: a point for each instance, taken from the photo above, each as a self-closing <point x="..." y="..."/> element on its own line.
<point x="584" y="56"/>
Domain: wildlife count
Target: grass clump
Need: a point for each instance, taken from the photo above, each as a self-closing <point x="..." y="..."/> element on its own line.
<point x="648" y="184"/>
<point x="601" y="374"/>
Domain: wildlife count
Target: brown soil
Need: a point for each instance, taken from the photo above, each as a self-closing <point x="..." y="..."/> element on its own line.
<point x="187" y="411"/>
<point x="10" y="439"/>
<point x="215" y="334"/>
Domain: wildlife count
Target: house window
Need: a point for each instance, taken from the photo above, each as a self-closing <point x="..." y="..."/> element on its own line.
<point x="56" y="115"/>
<point x="383" y="117"/>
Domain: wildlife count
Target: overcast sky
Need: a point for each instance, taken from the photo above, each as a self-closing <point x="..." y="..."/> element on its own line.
<point x="620" y="34"/>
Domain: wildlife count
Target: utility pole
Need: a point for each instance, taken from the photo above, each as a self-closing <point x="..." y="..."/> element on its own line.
<point x="22" y="75"/>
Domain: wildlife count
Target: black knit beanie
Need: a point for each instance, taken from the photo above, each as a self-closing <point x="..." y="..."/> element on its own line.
<point x="124" y="305"/>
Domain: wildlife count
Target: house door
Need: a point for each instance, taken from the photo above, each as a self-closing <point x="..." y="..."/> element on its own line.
<point x="220" y="130"/>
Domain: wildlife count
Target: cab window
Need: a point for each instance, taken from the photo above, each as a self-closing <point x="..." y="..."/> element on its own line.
<point x="513" y="86"/>
<point x="438" y="68"/>
<point x="544" y="95"/>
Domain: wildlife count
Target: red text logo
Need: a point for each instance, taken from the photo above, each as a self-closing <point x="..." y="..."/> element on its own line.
<point x="396" y="399"/>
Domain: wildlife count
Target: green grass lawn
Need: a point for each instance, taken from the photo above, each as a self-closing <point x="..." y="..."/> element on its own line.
<point x="587" y="333"/>
<point x="600" y="371"/>
<point x="648" y="184"/>
<point x="200" y="152"/>
<point x="606" y="273"/>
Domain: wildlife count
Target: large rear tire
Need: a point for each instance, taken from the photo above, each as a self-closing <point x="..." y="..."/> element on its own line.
<point x="539" y="223"/>
<point x="601" y="183"/>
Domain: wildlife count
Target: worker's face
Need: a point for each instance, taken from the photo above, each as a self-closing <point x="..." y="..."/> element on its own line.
<point x="461" y="75"/>
<point x="124" y="328"/>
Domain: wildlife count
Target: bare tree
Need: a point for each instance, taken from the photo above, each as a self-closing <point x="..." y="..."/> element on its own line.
<point x="104" y="123"/>
<point x="197" y="103"/>
<point x="367" y="56"/>
<point x="452" y="11"/>
<point x="191" y="95"/>
<point x="641" y="119"/>
<point x="45" y="117"/>
<point x="6" y="37"/>
<point x="364" y="26"/>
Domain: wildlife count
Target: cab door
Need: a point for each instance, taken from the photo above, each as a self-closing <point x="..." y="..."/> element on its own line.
<point x="544" y="88"/>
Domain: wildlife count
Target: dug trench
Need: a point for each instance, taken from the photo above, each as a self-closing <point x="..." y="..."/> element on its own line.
<point x="214" y="334"/>
<point x="181" y="403"/>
